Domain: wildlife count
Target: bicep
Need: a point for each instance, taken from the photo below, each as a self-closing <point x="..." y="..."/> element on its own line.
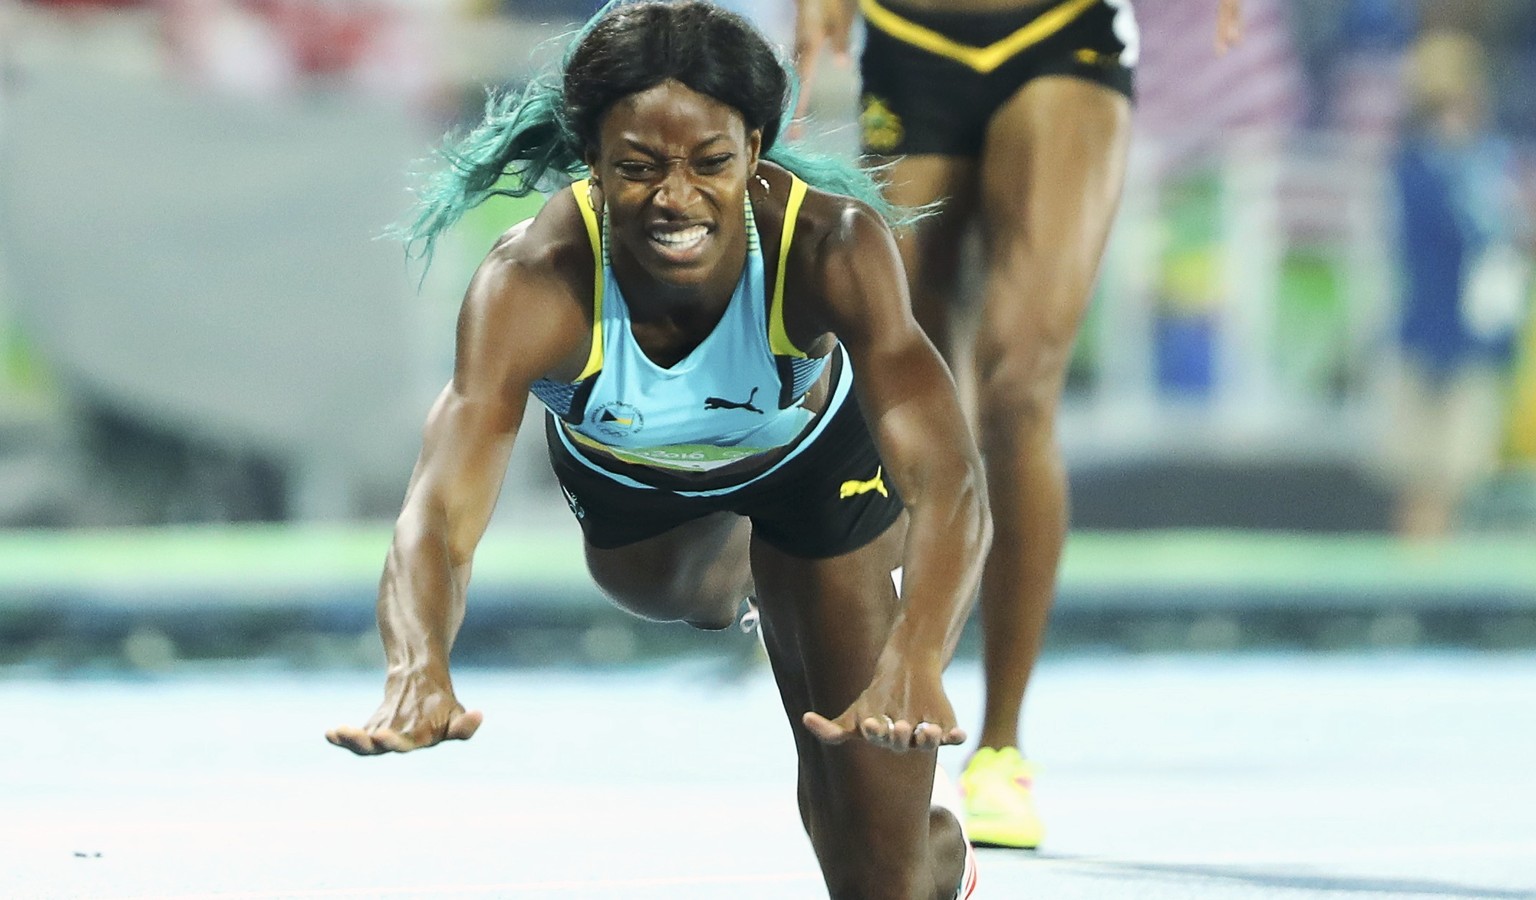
<point x="466" y="444"/>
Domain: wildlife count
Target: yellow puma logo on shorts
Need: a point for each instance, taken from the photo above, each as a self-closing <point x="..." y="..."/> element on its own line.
<point x="1095" y="58"/>
<point x="854" y="488"/>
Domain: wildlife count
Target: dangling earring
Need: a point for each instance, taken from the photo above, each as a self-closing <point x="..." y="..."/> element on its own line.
<point x="764" y="182"/>
<point x="591" y="184"/>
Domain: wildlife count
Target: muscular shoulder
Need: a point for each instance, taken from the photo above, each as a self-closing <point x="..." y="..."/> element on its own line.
<point x="827" y="223"/>
<point x="838" y="241"/>
<point x="528" y="308"/>
<point x="549" y="253"/>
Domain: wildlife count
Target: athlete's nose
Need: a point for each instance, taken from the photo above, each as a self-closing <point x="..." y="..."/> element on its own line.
<point x="677" y="191"/>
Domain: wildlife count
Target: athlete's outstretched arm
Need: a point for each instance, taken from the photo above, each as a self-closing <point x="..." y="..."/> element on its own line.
<point x="820" y="25"/>
<point x="909" y="399"/>
<point x="504" y="343"/>
<point x="1229" y="24"/>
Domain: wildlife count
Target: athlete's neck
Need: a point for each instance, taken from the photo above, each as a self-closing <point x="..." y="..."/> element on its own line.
<point x="650" y="298"/>
<point x="668" y="320"/>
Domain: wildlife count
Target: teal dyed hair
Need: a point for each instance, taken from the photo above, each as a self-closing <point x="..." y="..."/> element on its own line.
<point x="540" y="136"/>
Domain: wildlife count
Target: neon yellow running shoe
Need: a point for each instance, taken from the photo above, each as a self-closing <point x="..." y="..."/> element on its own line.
<point x="999" y="800"/>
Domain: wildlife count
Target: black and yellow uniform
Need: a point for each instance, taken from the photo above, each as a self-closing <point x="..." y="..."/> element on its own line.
<point x="933" y="80"/>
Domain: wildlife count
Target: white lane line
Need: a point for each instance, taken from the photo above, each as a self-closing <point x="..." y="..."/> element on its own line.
<point x="1515" y="849"/>
<point x="542" y="888"/>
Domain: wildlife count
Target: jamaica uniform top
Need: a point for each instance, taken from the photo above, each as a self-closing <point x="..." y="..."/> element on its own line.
<point x="737" y="394"/>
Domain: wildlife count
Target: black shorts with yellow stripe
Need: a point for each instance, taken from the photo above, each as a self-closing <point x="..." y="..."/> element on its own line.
<point x="932" y="81"/>
<point x="832" y="498"/>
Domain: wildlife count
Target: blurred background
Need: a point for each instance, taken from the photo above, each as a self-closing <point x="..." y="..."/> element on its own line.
<point x="1302" y="412"/>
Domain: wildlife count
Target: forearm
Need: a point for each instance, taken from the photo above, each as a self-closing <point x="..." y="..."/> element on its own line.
<point x="927" y="448"/>
<point x="448" y="505"/>
<point x="948" y="527"/>
<point x="421" y="599"/>
<point x="948" y="535"/>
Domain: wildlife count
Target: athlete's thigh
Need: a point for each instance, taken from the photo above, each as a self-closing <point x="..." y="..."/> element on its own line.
<point x="931" y="249"/>
<point x="835" y="612"/>
<point x="658" y="554"/>
<point x="1051" y="177"/>
<point x="930" y="178"/>
<point x="695" y="571"/>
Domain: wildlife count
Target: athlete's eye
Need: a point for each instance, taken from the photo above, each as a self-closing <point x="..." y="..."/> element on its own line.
<point x="714" y="165"/>
<point x="635" y="171"/>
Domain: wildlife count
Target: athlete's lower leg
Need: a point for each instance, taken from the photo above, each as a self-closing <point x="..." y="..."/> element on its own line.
<point x="1051" y="178"/>
<point x="1027" y="482"/>
<point x="866" y="809"/>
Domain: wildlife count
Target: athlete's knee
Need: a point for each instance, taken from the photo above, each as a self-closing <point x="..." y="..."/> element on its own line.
<point x="948" y="847"/>
<point x="909" y="884"/>
<point x="1019" y="382"/>
<point x="717" y="613"/>
<point x="706" y="600"/>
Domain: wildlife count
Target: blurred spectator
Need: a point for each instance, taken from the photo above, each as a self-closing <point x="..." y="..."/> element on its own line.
<point x="270" y="47"/>
<point x="1507" y="30"/>
<point x="1189" y="100"/>
<point x="1464" y="242"/>
<point x="1348" y="49"/>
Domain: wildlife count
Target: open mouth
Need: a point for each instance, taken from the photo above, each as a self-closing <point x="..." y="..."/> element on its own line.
<point x="680" y="244"/>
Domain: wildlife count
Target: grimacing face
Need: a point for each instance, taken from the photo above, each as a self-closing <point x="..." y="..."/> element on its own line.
<point x="672" y="165"/>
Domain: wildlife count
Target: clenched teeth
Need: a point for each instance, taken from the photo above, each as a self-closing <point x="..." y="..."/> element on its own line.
<point x="684" y="238"/>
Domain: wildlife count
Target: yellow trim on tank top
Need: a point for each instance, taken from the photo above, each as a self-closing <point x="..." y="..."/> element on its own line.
<point x="982" y="59"/>
<point x="595" y="235"/>
<point x="778" y="338"/>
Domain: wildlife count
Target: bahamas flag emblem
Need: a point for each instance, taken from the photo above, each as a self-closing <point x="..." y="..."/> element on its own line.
<point x="617" y="419"/>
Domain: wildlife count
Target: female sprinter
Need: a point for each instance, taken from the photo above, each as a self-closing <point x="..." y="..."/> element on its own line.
<point x="737" y="391"/>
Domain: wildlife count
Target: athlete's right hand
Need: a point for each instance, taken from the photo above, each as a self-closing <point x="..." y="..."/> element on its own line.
<point x="819" y="25"/>
<point x="418" y="711"/>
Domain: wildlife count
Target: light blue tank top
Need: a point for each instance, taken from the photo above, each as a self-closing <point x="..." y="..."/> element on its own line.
<point x="737" y="394"/>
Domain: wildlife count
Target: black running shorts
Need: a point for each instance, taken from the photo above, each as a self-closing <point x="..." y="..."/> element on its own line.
<point x="832" y="498"/>
<point x="933" y="81"/>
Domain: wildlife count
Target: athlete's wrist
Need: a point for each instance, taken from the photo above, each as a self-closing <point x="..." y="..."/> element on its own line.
<point x="912" y="649"/>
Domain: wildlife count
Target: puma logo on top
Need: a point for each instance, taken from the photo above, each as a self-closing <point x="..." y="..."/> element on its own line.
<point x="854" y="488"/>
<point x="719" y="403"/>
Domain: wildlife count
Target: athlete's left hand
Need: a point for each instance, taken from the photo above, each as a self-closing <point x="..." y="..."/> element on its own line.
<point x="904" y="708"/>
